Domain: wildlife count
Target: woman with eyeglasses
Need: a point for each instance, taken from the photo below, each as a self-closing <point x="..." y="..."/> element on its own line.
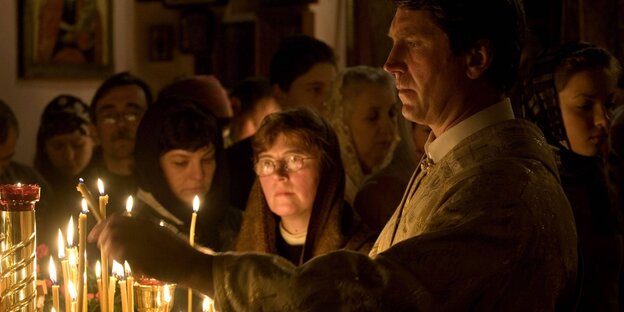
<point x="296" y="207"/>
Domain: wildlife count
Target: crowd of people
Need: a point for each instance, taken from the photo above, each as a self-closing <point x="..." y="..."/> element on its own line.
<point x="425" y="185"/>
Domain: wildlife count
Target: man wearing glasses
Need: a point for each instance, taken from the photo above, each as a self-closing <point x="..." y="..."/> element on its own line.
<point x="116" y="110"/>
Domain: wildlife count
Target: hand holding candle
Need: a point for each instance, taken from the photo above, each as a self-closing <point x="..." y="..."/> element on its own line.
<point x="82" y="188"/>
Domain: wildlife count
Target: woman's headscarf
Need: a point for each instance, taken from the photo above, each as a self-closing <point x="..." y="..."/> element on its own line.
<point x="258" y="232"/>
<point x="63" y="115"/>
<point x="170" y="117"/>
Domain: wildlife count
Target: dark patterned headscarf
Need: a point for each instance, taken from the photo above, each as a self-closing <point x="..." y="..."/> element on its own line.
<point x="540" y="99"/>
<point x="63" y="115"/>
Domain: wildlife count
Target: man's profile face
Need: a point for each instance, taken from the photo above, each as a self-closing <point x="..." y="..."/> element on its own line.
<point x="7" y="150"/>
<point x="118" y="114"/>
<point x="310" y="89"/>
<point x="426" y="71"/>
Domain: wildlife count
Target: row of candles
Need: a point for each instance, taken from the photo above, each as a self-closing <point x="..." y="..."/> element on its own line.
<point x="73" y="264"/>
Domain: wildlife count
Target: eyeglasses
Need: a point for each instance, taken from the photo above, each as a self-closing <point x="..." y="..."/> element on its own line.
<point x="266" y="166"/>
<point x="111" y="118"/>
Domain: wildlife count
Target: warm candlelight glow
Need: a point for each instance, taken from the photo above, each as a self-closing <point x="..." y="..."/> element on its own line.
<point x="72" y="260"/>
<point x="100" y="186"/>
<point x="71" y="288"/>
<point x="52" y="271"/>
<point x="19" y="184"/>
<point x="162" y="223"/>
<point x="52" y="309"/>
<point x="118" y="270"/>
<point x="127" y="268"/>
<point x="98" y="269"/>
<point x="61" y="245"/>
<point x="206" y="304"/>
<point x="70" y="232"/>
<point x="196" y="203"/>
<point x="85" y="208"/>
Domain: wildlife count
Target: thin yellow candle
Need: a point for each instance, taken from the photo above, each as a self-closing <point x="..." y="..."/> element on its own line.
<point x="130" y="285"/>
<point x="82" y="244"/>
<point x="192" y="242"/>
<point x="85" y="299"/>
<point x="71" y="288"/>
<point x="112" y="284"/>
<point x="64" y="267"/>
<point x="118" y="270"/>
<point x="103" y="200"/>
<point x="55" y="286"/>
<point x="98" y="276"/>
<point x="84" y="191"/>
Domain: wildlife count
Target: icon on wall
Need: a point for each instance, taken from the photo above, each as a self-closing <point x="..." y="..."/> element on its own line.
<point x="65" y="38"/>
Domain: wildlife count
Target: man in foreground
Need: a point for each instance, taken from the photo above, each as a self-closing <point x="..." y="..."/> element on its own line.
<point x="484" y="224"/>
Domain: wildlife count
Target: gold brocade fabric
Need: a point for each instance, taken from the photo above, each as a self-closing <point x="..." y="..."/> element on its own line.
<point x="487" y="228"/>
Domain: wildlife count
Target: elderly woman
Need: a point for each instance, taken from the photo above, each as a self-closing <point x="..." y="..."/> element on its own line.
<point x="362" y="110"/>
<point x="179" y="154"/>
<point x="296" y="207"/>
<point x="570" y="92"/>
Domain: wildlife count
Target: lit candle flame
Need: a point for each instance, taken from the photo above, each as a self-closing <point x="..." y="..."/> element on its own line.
<point x="61" y="245"/>
<point x="70" y="232"/>
<point x="118" y="270"/>
<point x="80" y="180"/>
<point x="196" y="203"/>
<point x="52" y="271"/>
<point x="127" y="268"/>
<point x="72" y="290"/>
<point x="98" y="269"/>
<point x="162" y="223"/>
<point x="206" y="304"/>
<point x="85" y="209"/>
<point x="19" y="184"/>
<point x="166" y="294"/>
<point x="100" y="186"/>
<point x="129" y="204"/>
<point x="52" y="309"/>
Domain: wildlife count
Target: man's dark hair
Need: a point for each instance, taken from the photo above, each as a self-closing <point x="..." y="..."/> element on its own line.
<point x="118" y="80"/>
<point x="7" y="121"/>
<point x="249" y="91"/>
<point x="295" y="56"/>
<point x="500" y="22"/>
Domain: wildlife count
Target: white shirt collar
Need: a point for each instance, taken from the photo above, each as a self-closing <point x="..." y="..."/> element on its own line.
<point x="440" y="146"/>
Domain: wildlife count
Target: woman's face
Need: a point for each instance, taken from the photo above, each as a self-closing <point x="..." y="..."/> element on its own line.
<point x="69" y="153"/>
<point x="290" y="194"/>
<point x="373" y="124"/>
<point x="189" y="173"/>
<point x="583" y="111"/>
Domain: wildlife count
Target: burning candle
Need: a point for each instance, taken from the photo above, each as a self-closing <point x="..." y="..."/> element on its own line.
<point x="192" y="242"/>
<point x="71" y="288"/>
<point x="166" y="297"/>
<point x="98" y="276"/>
<point x="130" y="285"/>
<point x="103" y="200"/>
<point x="55" y="286"/>
<point x="208" y="305"/>
<point x="118" y="270"/>
<point x="129" y="204"/>
<point x="64" y="266"/>
<point x="112" y="284"/>
<point x="84" y="191"/>
<point x="82" y="243"/>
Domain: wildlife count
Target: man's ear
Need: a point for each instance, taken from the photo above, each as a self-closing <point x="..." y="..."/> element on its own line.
<point x="478" y="59"/>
